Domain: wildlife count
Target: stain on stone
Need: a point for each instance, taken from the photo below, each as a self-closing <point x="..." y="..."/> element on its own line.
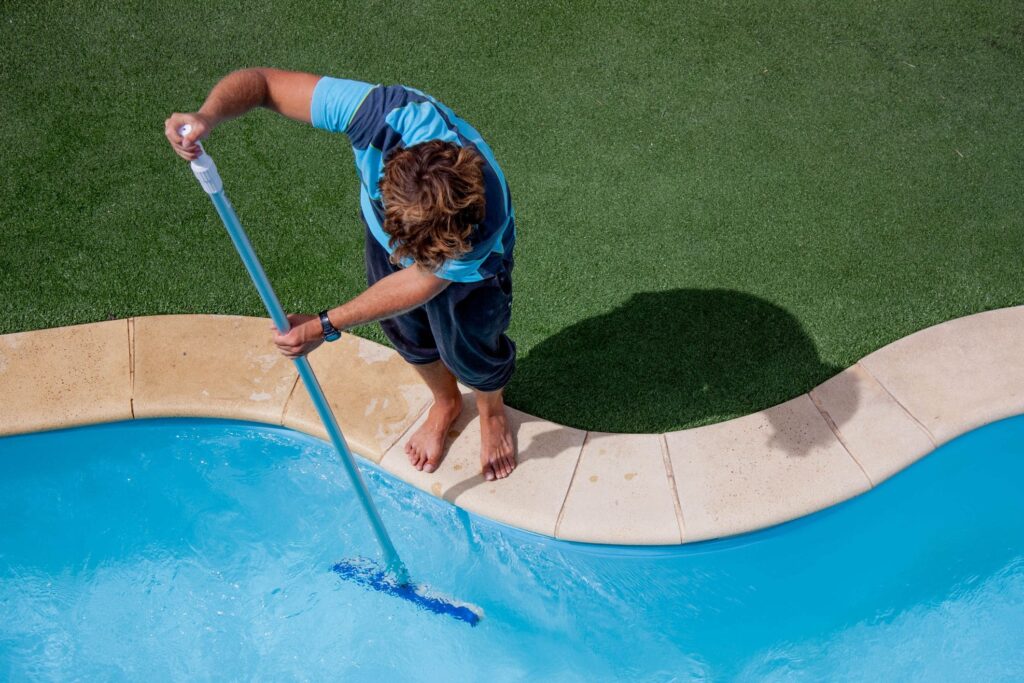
<point x="435" y="488"/>
<point x="630" y="475"/>
<point x="593" y="477"/>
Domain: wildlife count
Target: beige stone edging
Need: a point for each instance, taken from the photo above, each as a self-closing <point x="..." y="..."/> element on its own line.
<point x="839" y="440"/>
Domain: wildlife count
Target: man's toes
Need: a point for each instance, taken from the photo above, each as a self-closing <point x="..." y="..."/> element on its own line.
<point x="489" y="472"/>
<point x="416" y="456"/>
<point x="499" y="467"/>
<point x="430" y="466"/>
<point x="504" y="463"/>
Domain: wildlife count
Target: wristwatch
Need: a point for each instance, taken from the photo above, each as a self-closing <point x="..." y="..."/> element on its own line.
<point x="331" y="333"/>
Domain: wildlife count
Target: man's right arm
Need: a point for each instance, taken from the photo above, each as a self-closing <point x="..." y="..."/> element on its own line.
<point x="289" y="93"/>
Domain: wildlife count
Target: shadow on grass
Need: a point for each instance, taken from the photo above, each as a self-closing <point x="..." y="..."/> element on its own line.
<point x="664" y="361"/>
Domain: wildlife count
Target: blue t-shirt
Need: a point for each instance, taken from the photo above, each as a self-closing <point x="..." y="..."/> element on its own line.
<point x="378" y="119"/>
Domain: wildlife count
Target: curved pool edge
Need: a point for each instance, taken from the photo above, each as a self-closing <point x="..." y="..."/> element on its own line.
<point x="839" y="440"/>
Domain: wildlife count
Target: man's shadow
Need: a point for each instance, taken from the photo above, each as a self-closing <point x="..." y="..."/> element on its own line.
<point x="664" y="361"/>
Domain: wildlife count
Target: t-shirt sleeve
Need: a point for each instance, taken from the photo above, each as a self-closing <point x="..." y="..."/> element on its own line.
<point x="479" y="263"/>
<point x="335" y="101"/>
<point x="462" y="270"/>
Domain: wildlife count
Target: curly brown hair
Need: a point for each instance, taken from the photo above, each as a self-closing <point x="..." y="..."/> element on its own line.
<point x="433" y="196"/>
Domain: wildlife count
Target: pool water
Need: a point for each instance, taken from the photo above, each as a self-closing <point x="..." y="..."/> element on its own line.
<point x="202" y="550"/>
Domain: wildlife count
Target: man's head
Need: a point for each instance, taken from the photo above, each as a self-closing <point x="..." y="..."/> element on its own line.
<point x="433" y="195"/>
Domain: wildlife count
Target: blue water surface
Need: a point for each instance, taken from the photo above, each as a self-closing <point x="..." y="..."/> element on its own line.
<point x="202" y="550"/>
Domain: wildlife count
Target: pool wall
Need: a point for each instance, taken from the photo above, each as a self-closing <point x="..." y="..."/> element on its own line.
<point x="839" y="440"/>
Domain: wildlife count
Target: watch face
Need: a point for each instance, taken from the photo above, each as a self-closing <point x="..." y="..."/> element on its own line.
<point x="330" y="332"/>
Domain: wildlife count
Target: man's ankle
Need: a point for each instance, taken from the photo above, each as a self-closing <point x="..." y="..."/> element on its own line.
<point x="448" y="401"/>
<point x="490" y="404"/>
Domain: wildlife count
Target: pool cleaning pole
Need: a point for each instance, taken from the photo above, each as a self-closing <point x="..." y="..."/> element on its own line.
<point x="206" y="172"/>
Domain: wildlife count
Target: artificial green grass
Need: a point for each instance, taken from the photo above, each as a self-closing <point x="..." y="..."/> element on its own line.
<point x="720" y="205"/>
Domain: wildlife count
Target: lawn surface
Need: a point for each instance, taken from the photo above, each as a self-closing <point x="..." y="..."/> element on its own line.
<point x="720" y="205"/>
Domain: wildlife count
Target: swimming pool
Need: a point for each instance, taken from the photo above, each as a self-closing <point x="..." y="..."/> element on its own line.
<point x="201" y="549"/>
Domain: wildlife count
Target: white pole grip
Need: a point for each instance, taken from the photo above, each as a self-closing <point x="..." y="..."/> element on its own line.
<point x="203" y="167"/>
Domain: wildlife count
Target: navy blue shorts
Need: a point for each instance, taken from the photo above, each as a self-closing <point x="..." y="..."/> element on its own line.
<point x="463" y="326"/>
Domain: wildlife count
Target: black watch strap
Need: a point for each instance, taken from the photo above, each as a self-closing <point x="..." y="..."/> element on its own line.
<point x="331" y="333"/>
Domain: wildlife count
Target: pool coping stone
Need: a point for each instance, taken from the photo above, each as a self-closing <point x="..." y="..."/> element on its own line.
<point x="837" y="441"/>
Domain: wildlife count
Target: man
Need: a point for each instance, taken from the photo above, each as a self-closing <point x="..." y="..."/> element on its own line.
<point x="439" y="239"/>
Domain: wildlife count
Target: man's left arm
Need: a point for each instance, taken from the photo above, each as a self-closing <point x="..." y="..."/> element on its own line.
<point x="393" y="295"/>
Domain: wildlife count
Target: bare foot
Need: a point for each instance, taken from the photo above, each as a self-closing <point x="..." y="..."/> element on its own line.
<point x="497" y="449"/>
<point x="426" y="446"/>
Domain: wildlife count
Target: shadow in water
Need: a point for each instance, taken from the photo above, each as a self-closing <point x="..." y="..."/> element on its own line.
<point x="664" y="361"/>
